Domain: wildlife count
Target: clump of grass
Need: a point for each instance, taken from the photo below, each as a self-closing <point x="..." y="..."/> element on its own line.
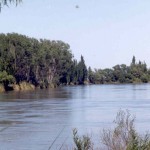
<point x="122" y="137"/>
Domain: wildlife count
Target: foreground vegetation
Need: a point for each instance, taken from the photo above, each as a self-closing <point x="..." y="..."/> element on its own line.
<point x="122" y="137"/>
<point x="44" y="63"/>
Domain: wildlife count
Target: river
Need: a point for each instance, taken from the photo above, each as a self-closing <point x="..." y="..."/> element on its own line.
<point x="44" y="119"/>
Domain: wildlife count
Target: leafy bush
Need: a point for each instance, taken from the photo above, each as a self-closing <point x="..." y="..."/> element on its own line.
<point x="4" y="77"/>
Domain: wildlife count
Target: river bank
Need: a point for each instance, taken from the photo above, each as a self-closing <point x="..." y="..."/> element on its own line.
<point x="23" y="86"/>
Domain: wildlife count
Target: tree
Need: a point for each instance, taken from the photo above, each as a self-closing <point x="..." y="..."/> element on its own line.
<point x="7" y="2"/>
<point x="90" y="75"/>
<point x="133" y="61"/>
<point x="41" y="62"/>
<point x="81" y="71"/>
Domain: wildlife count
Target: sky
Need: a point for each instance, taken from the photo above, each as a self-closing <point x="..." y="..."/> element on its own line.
<point x="105" y="32"/>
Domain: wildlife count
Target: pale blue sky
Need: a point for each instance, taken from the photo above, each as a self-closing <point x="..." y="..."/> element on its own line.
<point x="105" y="32"/>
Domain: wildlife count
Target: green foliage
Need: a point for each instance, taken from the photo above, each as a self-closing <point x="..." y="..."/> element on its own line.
<point x="144" y="78"/>
<point x="45" y="63"/>
<point x="5" y="78"/>
<point x="135" y="73"/>
<point x="81" y="71"/>
<point x="82" y="143"/>
<point x="40" y="62"/>
<point x="133" y="61"/>
<point x="91" y="76"/>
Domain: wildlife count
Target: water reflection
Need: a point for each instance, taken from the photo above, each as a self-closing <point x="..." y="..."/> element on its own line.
<point x="34" y="95"/>
<point x="33" y="120"/>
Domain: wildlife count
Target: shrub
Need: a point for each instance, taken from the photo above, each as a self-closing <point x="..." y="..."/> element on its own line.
<point x="82" y="143"/>
<point x="122" y="137"/>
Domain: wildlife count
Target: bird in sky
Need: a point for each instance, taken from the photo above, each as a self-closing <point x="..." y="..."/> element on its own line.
<point x="77" y="6"/>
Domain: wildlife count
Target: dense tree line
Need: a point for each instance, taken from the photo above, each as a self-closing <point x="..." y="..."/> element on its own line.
<point x="47" y="63"/>
<point x="40" y="62"/>
<point x="135" y="73"/>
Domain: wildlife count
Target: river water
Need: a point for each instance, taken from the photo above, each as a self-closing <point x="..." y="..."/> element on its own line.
<point x="44" y="119"/>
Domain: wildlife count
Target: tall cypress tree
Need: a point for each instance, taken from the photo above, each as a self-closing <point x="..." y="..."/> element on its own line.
<point x="81" y="71"/>
<point x="133" y="61"/>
